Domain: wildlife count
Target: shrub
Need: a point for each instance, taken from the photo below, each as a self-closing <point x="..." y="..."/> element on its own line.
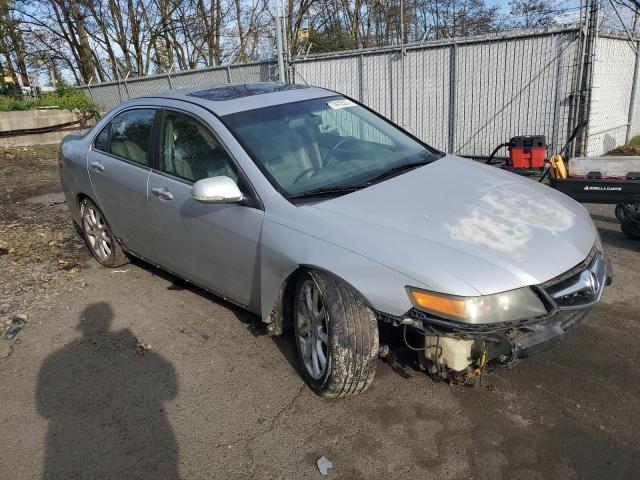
<point x="12" y="104"/>
<point x="632" y="148"/>
<point x="635" y="142"/>
<point x="65" y="98"/>
<point x="68" y="100"/>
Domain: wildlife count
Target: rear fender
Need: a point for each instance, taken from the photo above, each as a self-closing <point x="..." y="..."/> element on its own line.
<point x="74" y="176"/>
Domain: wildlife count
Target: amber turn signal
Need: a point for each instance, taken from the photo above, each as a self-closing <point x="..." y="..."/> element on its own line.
<point x="449" y="307"/>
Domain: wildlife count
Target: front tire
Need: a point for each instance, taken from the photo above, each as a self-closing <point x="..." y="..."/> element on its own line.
<point x="336" y="336"/>
<point x="99" y="237"/>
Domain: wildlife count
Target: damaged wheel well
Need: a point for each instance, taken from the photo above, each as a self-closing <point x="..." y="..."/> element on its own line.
<point x="280" y="317"/>
<point x="282" y="312"/>
<point x="80" y="197"/>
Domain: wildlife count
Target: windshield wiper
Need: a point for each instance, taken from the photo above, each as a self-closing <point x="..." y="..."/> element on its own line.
<point x="398" y="169"/>
<point x="319" y="192"/>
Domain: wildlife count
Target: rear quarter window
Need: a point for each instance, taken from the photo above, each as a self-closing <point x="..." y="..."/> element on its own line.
<point x="102" y="140"/>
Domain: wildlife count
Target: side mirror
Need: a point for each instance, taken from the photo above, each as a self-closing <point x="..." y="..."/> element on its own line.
<point x="216" y="190"/>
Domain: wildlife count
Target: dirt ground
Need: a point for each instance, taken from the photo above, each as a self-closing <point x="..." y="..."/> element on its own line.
<point x="128" y="373"/>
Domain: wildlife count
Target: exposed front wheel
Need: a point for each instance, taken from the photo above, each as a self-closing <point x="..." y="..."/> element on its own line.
<point x="336" y="336"/>
<point x="104" y="246"/>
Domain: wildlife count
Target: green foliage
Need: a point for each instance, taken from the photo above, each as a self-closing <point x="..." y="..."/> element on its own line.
<point x="65" y="98"/>
<point x="9" y="89"/>
<point x="334" y="36"/>
<point x="70" y="99"/>
<point x="10" y="104"/>
<point x="631" y="148"/>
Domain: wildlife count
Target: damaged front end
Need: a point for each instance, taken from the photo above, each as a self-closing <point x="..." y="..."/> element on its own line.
<point x="454" y="348"/>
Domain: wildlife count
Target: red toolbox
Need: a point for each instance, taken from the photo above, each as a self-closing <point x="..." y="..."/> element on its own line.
<point x="527" y="152"/>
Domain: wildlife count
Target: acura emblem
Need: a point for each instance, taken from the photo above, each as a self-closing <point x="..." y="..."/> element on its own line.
<point x="587" y="283"/>
<point x="592" y="282"/>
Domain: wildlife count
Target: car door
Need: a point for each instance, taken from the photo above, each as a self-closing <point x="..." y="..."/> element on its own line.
<point x="212" y="245"/>
<point x="119" y="166"/>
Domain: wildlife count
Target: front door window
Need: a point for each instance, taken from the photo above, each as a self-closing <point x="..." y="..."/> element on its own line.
<point x="191" y="152"/>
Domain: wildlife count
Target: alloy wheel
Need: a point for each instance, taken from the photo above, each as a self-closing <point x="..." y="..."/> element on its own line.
<point x="97" y="232"/>
<point x="313" y="336"/>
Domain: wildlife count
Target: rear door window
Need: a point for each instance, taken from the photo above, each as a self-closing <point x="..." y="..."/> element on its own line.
<point x="128" y="136"/>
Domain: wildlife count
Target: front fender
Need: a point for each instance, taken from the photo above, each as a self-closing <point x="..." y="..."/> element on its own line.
<point x="285" y="249"/>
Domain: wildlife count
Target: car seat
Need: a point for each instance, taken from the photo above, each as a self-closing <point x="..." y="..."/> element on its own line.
<point x="130" y="150"/>
<point x="286" y="154"/>
<point x="215" y="158"/>
<point x="174" y="156"/>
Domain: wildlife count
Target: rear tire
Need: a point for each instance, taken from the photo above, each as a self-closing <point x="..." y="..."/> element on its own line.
<point x="631" y="226"/>
<point x="98" y="236"/>
<point x="336" y="336"/>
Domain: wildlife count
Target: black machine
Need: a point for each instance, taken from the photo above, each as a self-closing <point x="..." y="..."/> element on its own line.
<point x="527" y="157"/>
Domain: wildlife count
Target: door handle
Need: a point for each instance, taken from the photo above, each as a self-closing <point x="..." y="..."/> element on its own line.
<point x="162" y="192"/>
<point x="97" y="166"/>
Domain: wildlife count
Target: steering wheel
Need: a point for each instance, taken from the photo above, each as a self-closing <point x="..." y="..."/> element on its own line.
<point x="329" y="156"/>
<point x="310" y="170"/>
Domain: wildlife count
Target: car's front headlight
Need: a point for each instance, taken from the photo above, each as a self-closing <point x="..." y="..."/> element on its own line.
<point x="518" y="304"/>
<point x="598" y="243"/>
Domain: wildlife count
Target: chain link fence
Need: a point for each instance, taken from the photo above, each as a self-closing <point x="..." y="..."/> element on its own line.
<point x="109" y="94"/>
<point x="464" y="96"/>
<point x="615" y="108"/>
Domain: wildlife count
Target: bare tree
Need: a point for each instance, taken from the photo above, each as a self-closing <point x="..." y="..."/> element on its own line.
<point x="11" y="45"/>
<point x="533" y="13"/>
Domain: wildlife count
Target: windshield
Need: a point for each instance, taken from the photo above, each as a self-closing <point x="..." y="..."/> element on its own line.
<point x="324" y="144"/>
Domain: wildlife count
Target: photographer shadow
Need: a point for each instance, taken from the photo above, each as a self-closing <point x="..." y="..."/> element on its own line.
<point x="104" y="400"/>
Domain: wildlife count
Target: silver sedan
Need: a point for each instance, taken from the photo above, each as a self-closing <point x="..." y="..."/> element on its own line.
<point x="321" y="216"/>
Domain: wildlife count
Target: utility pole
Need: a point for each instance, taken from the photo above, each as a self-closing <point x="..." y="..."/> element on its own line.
<point x="584" y="107"/>
<point x="582" y="94"/>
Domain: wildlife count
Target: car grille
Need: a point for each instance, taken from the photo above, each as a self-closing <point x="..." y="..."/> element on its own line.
<point x="580" y="287"/>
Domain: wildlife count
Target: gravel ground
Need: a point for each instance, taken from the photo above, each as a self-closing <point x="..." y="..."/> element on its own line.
<point x="129" y="373"/>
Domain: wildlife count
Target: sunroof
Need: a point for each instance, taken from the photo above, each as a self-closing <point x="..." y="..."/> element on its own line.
<point x="231" y="92"/>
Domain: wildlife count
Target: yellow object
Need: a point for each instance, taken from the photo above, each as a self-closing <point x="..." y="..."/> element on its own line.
<point x="440" y="304"/>
<point x="303" y="34"/>
<point x="558" y="170"/>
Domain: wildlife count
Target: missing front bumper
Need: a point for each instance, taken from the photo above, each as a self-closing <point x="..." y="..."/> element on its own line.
<point x="524" y="343"/>
<point x="448" y="349"/>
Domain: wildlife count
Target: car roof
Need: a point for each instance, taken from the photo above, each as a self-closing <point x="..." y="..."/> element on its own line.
<point x="239" y="97"/>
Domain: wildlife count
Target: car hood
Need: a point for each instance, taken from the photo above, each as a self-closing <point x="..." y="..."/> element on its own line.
<point x="459" y="227"/>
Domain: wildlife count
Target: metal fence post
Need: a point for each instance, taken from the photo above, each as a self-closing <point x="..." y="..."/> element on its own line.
<point x="228" y="74"/>
<point x="361" y="78"/>
<point x="452" y="98"/>
<point x="126" y="86"/>
<point x="557" y="97"/>
<point x="169" y="76"/>
<point x="393" y="115"/>
<point x="280" y="42"/>
<point x="632" y="100"/>
<point x="89" y="88"/>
